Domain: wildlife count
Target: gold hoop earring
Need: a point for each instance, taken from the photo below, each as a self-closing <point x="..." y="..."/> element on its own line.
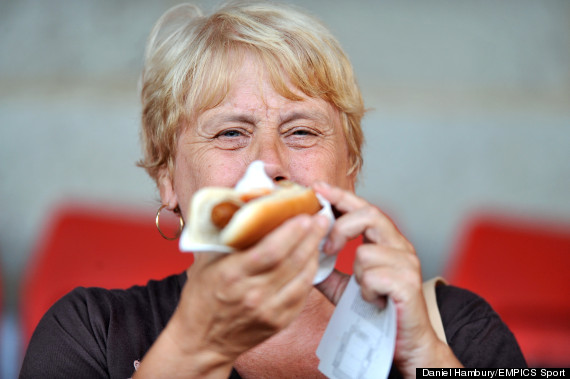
<point x="158" y="225"/>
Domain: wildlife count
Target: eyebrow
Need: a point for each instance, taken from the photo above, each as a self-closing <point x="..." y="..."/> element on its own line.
<point x="304" y="114"/>
<point x="247" y="118"/>
<point x="237" y="117"/>
<point x="243" y="118"/>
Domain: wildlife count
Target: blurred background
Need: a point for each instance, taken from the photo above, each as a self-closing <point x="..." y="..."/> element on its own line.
<point x="469" y="112"/>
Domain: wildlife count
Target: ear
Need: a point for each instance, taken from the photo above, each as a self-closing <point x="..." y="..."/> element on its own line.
<point x="166" y="187"/>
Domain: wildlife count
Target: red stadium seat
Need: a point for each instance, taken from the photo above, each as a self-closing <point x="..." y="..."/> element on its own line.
<point x="345" y="258"/>
<point x="522" y="268"/>
<point x="88" y="245"/>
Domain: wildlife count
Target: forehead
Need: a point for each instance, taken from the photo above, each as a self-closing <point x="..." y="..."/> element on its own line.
<point x="254" y="85"/>
<point x="242" y="73"/>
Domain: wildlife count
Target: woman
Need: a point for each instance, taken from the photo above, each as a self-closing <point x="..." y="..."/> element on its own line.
<point x="257" y="82"/>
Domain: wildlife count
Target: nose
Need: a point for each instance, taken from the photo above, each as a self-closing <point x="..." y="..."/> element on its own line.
<point x="275" y="172"/>
<point x="275" y="158"/>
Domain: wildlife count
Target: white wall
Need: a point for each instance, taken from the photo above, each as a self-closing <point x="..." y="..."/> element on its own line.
<point x="471" y="110"/>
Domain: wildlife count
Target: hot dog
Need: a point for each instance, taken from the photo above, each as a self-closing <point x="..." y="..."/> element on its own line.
<point x="238" y="220"/>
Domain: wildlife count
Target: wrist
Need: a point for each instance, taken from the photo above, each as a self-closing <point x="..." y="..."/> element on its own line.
<point x="432" y="354"/>
<point x="444" y="357"/>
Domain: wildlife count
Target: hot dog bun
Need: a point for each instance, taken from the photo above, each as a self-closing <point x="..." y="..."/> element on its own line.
<point x="254" y="217"/>
<point x="260" y="216"/>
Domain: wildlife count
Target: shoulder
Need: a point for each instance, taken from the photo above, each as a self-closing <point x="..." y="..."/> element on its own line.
<point x="475" y="332"/>
<point x="458" y="306"/>
<point x="93" y="331"/>
<point x="160" y="295"/>
<point x="107" y="309"/>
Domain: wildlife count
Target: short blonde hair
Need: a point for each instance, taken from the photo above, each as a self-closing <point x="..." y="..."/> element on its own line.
<point x="190" y="60"/>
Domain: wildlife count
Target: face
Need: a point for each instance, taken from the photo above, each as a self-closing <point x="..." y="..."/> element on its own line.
<point x="301" y="141"/>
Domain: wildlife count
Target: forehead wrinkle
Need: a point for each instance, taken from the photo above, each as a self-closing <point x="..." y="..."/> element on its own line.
<point x="310" y="114"/>
<point x="242" y="117"/>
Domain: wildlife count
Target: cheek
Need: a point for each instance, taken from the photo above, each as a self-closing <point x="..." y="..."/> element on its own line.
<point x="328" y="164"/>
<point x="204" y="168"/>
<point x="222" y="169"/>
<point x="191" y="170"/>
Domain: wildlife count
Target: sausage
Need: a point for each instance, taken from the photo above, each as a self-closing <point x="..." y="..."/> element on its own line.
<point x="223" y="212"/>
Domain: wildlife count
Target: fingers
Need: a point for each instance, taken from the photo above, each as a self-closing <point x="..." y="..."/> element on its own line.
<point x="289" y="246"/>
<point x="359" y="217"/>
<point x="382" y="270"/>
<point x="386" y="263"/>
<point x="280" y="271"/>
<point x="288" y="302"/>
<point x="262" y="272"/>
<point x="344" y="201"/>
<point x="271" y="250"/>
<point x="298" y="266"/>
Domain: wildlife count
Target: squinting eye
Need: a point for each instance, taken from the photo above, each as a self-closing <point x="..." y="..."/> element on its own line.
<point x="230" y="133"/>
<point x="302" y="138"/>
<point x="232" y="139"/>
<point x="303" y="132"/>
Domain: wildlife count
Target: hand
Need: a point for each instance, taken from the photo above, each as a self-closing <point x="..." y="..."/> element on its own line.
<point x="232" y="302"/>
<point x="261" y="289"/>
<point x="385" y="265"/>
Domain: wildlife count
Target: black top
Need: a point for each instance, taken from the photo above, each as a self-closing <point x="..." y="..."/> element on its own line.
<point x="99" y="333"/>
